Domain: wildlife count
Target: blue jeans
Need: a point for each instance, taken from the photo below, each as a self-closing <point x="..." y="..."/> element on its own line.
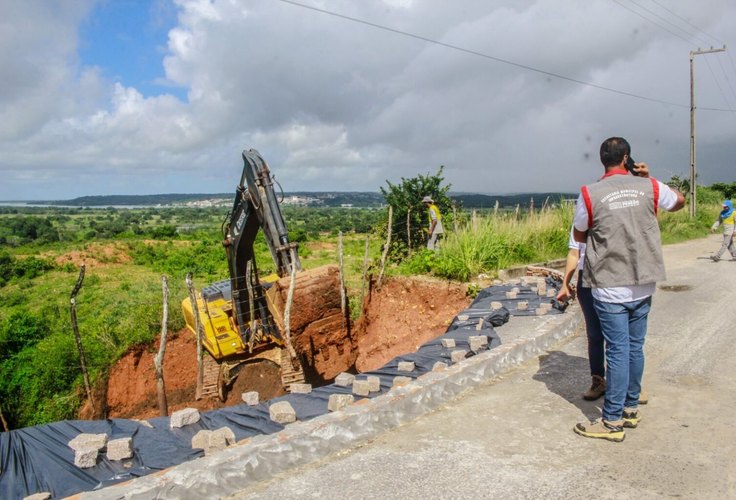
<point x="596" y="357"/>
<point x="624" y="327"/>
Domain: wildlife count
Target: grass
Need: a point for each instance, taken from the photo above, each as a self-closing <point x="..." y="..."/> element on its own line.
<point x="120" y="305"/>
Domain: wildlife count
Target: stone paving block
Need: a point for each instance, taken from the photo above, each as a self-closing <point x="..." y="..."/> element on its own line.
<point x="510" y="295"/>
<point x="86" y="457"/>
<point x="250" y="398"/>
<point x="546" y="305"/>
<point x="187" y="416"/>
<point x="439" y="366"/>
<point x="463" y="317"/>
<point x="227" y="433"/>
<point x="552" y="292"/>
<point x="211" y="441"/>
<point x="540" y="311"/>
<point x="374" y="383"/>
<point x="516" y="289"/>
<point x="361" y="387"/>
<point x="400" y="381"/>
<point x="300" y="388"/>
<point x="339" y="401"/>
<point x="217" y="441"/>
<point x="120" y="449"/>
<point x="495" y="305"/>
<point x="44" y="495"/>
<point x="406" y="366"/>
<point x="282" y="413"/>
<point x="478" y="342"/>
<point x="88" y="441"/>
<point x="457" y="356"/>
<point x="344" y="379"/>
<point x="522" y="305"/>
<point x="448" y="343"/>
<point x="201" y="439"/>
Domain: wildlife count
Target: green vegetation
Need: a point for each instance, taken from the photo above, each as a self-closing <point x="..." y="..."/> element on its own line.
<point x="127" y="251"/>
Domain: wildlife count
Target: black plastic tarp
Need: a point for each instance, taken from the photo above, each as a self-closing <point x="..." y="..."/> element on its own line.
<point x="39" y="459"/>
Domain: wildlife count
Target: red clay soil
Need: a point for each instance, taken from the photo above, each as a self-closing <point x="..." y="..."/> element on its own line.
<point x="397" y="319"/>
<point x="131" y="387"/>
<point x="404" y="314"/>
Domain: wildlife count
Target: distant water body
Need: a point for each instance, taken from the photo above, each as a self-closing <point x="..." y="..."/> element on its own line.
<point x="21" y="204"/>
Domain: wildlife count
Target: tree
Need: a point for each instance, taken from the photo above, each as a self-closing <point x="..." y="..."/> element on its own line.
<point x="410" y="218"/>
<point x="728" y="190"/>
<point x="682" y="185"/>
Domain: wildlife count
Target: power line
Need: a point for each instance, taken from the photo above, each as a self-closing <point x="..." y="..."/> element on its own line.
<point x="490" y="57"/>
<point x="687" y="22"/>
<point x="654" y="22"/>
<point x="691" y="39"/>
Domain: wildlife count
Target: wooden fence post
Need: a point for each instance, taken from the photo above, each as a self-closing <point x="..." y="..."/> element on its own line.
<point x="365" y="271"/>
<point x="158" y="361"/>
<point x="343" y="295"/>
<point x="198" y="327"/>
<point x="78" y="338"/>
<point x="454" y="216"/>
<point x="287" y="308"/>
<point x="408" y="228"/>
<point x="386" y="247"/>
<point x="5" y="422"/>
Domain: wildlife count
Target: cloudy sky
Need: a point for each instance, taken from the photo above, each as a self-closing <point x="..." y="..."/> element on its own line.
<point x="161" y="96"/>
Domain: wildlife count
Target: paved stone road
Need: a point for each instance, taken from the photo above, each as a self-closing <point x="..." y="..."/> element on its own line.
<point x="512" y="438"/>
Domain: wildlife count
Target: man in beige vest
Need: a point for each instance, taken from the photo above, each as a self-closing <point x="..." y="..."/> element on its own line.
<point x="616" y="218"/>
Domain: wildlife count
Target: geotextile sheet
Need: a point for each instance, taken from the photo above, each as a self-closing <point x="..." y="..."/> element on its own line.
<point x="39" y="459"/>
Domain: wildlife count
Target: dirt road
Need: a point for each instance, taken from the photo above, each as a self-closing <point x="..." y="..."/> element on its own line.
<point x="512" y="438"/>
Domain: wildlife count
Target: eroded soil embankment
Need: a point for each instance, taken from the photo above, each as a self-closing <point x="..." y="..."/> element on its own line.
<point x="402" y="315"/>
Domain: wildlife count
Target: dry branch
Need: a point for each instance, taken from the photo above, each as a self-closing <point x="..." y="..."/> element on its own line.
<point x="387" y="246"/>
<point x="198" y="327"/>
<point x="158" y="361"/>
<point x="78" y="338"/>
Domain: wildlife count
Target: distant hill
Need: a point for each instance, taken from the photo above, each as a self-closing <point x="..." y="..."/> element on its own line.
<point x="324" y="199"/>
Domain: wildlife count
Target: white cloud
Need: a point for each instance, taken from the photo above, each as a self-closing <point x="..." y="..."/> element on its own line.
<point x="335" y="104"/>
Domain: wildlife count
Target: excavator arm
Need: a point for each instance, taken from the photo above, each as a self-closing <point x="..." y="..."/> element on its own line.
<point x="255" y="207"/>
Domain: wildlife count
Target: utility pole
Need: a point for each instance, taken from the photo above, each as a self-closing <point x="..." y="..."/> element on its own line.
<point x="693" y="169"/>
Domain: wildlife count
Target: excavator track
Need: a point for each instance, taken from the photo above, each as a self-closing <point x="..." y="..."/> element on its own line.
<point x="289" y="374"/>
<point x="210" y="387"/>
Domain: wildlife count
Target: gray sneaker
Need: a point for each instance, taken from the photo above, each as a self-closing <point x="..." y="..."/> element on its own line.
<point x="631" y="417"/>
<point x="602" y="429"/>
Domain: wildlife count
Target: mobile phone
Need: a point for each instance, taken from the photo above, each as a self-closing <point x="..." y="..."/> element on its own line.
<point x="630" y="164"/>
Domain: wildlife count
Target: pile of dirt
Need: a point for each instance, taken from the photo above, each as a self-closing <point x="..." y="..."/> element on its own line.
<point x="96" y="255"/>
<point x="399" y="317"/>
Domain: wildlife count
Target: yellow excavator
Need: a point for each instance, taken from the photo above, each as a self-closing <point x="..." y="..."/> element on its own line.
<point x="242" y="318"/>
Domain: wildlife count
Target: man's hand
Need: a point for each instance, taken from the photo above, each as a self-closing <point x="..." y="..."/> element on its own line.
<point x="641" y="170"/>
<point x="565" y="294"/>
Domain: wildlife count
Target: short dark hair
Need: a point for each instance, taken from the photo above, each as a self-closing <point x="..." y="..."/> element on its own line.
<point x="613" y="150"/>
